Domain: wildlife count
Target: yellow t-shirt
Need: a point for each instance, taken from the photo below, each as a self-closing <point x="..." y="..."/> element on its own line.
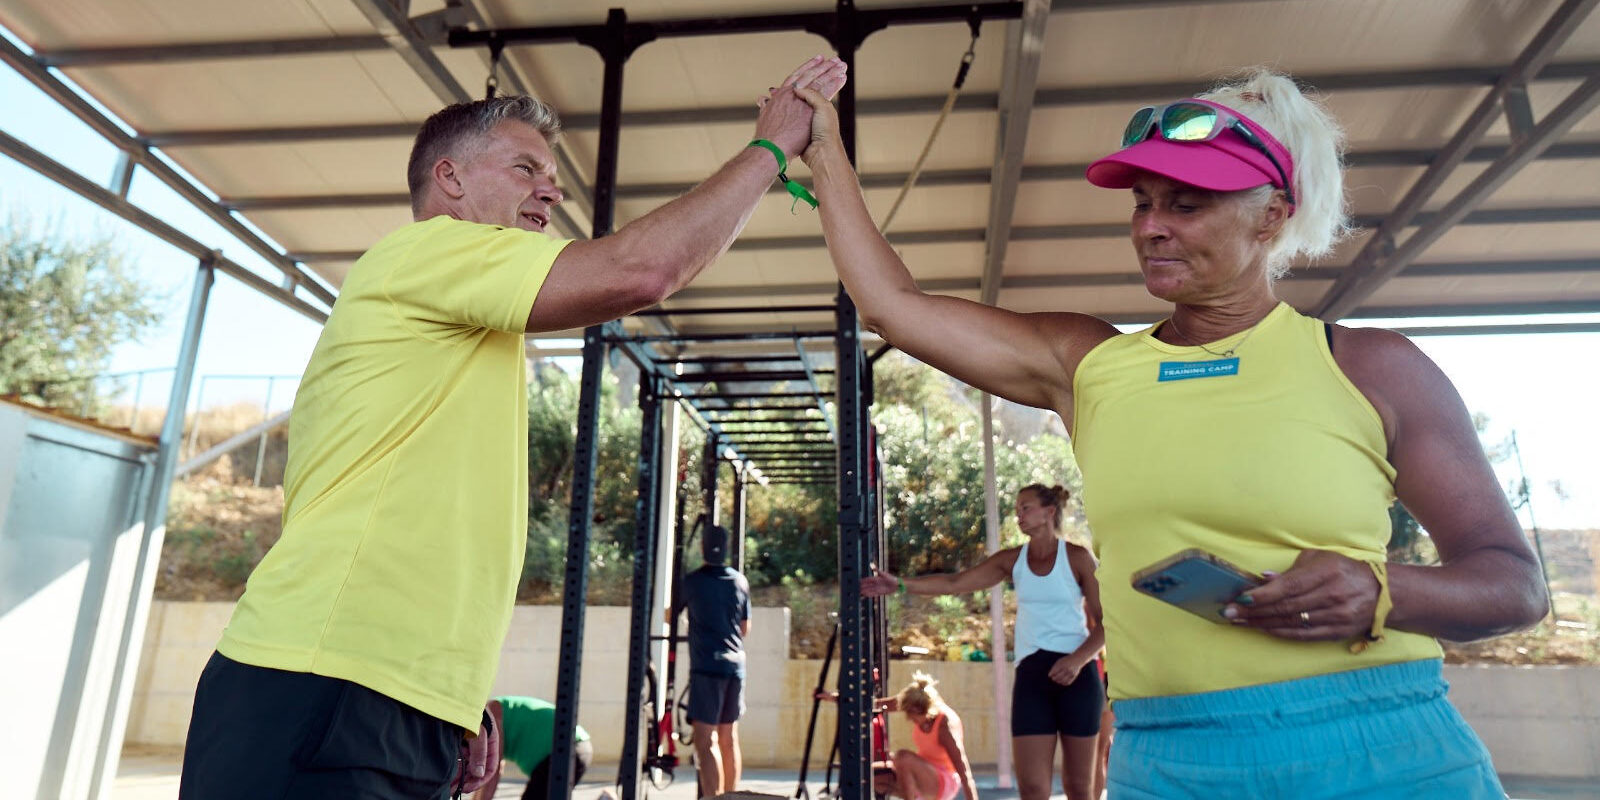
<point x="405" y="498"/>
<point x="1283" y="455"/>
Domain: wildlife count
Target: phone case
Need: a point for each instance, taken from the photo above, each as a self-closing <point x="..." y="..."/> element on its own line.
<point x="1195" y="581"/>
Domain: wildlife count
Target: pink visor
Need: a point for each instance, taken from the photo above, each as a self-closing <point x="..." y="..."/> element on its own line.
<point x="1224" y="163"/>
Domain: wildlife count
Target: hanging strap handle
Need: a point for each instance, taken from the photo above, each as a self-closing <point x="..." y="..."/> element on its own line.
<point x="796" y="191"/>
<point x="492" y="83"/>
<point x="974" y="22"/>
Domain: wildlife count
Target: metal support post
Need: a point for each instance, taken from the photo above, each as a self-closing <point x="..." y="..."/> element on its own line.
<point x="855" y="685"/>
<point x="574" y="587"/>
<point x="737" y="534"/>
<point x="261" y="444"/>
<point x="155" y="530"/>
<point x="708" y="480"/>
<point x="646" y="510"/>
<point x="878" y="539"/>
<point x="668" y="517"/>
<point x="138" y="395"/>
<point x="199" y="397"/>
<point x="997" y="617"/>
<point x="613" y="48"/>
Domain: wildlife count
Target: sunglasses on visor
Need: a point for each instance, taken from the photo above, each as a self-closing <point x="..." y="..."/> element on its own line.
<point x="1188" y="121"/>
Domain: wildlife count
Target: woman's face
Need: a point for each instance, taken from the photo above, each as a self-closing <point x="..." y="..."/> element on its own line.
<point x="1032" y="514"/>
<point x="1198" y="246"/>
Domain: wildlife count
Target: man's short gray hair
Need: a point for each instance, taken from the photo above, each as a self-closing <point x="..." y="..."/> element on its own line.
<point x="456" y="127"/>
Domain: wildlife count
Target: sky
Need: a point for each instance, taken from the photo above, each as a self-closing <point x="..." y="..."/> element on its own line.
<point x="1539" y="387"/>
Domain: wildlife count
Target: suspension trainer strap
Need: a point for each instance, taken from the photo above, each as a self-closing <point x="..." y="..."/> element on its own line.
<point x="949" y="103"/>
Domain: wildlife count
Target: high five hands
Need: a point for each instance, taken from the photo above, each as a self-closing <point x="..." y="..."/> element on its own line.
<point x="785" y="118"/>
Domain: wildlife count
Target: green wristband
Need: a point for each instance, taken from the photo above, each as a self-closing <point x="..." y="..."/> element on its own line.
<point x="902" y="584"/>
<point x="796" y="191"/>
<point x="777" y="152"/>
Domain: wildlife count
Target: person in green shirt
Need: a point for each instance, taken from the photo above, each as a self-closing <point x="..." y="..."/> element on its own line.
<point x="526" y="727"/>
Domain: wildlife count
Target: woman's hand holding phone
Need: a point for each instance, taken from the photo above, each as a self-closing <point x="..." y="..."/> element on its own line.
<point x="1324" y="596"/>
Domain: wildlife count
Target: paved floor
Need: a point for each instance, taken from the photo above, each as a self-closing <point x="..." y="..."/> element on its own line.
<point x="152" y="774"/>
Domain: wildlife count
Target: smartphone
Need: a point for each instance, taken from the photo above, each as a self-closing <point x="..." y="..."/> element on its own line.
<point x="1195" y="581"/>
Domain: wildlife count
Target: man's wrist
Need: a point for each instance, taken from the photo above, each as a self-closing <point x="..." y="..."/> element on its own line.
<point x="772" y="147"/>
<point x="798" y="192"/>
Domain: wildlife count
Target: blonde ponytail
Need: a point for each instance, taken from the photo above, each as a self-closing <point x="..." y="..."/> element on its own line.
<point x="1316" y="143"/>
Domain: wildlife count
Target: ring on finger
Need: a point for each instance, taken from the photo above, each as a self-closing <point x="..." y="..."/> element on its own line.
<point x="1305" y="619"/>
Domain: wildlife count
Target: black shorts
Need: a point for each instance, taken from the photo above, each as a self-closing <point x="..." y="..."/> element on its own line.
<point x="1042" y="707"/>
<point x="270" y="734"/>
<point x="538" y="787"/>
<point x="715" y="699"/>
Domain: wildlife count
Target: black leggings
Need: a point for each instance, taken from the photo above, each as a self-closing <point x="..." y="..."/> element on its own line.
<point x="1042" y="707"/>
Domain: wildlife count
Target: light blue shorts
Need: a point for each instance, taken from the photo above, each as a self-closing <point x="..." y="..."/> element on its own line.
<point x="1381" y="732"/>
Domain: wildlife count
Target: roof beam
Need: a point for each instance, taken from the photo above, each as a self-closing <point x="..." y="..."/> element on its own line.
<point x="407" y="42"/>
<point x="108" y="129"/>
<point x="1130" y="277"/>
<point x="1398" y="311"/>
<point x="246" y="136"/>
<point x="1412" y="311"/>
<point x="1108" y="230"/>
<point x="1415" y="157"/>
<point x="821" y="23"/>
<point x="1019" y="82"/>
<point x="19" y="151"/>
<point x="323" y="45"/>
<point x="1372" y="273"/>
<point x="1061" y="97"/>
<point x="209" y="51"/>
<point x="1591" y="306"/>
<point x="1496" y="330"/>
<point x="1379" y="259"/>
<point x="578" y="189"/>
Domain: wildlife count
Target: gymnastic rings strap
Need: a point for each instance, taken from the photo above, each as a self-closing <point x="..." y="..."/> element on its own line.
<point x="492" y="83"/>
<point x="973" y="22"/>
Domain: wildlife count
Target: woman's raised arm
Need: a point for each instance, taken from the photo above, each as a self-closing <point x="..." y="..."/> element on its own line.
<point x="1027" y="358"/>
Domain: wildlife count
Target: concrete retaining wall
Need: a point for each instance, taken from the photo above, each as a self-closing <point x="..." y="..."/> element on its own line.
<point x="1536" y="720"/>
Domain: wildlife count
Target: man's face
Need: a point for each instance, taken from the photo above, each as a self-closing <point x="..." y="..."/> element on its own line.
<point x="509" y="178"/>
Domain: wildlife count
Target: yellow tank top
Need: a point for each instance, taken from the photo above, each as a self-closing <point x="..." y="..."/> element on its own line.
<point x="1253" y="462"/>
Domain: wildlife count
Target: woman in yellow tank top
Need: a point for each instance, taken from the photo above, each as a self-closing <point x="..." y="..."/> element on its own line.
<point x="1240" y="427"/>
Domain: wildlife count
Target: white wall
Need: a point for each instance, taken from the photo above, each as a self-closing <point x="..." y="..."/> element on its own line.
<point x="1537" y="721"/>
<point x="1541" y="721"/>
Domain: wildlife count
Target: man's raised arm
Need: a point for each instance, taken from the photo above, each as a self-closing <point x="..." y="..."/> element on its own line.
<point x="648" y="259"/>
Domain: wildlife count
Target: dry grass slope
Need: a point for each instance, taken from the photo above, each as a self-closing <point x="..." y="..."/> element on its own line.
<point x="220" y="526"/>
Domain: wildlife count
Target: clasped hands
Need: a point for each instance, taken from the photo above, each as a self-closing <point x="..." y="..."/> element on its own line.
<point x="787" y="116"/>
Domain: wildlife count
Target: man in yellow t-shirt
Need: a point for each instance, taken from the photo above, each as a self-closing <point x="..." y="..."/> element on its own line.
<point x="366" y="642"/>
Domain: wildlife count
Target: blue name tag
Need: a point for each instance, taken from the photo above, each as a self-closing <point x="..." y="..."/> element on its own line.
<point x="1184" y="370"/>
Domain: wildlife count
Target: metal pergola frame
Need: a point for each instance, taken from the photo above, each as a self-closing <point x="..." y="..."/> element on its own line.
<point x="863" y="662"/>
<point x="412" y="38"/>
<point x="797" y="459"/>
<point x="781" y="450"/>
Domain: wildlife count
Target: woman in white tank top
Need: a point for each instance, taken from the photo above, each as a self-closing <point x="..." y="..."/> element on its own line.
<point x="1057" y="695"/>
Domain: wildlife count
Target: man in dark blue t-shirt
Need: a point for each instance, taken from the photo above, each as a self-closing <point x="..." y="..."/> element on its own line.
<point x="717" y="598"/>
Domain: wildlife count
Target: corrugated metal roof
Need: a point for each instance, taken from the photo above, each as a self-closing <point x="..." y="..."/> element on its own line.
<point x="299" y="114"/>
